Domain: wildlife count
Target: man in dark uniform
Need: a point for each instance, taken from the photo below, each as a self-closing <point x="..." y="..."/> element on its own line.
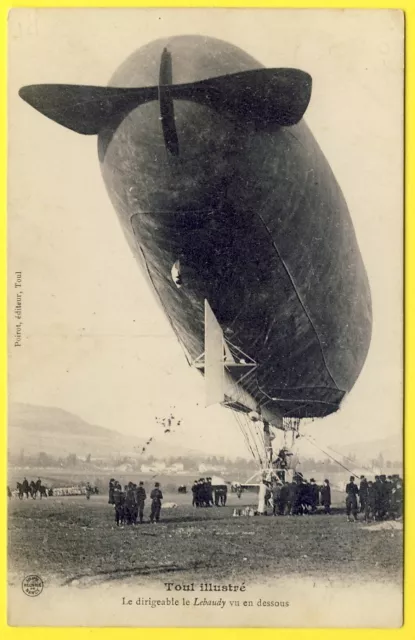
<point x="388" y="486"/>
<point x="141" y="498"/>
<point x="119" y="505"/>
<point x="314" y="495"/>
<point x="209" y="492"/>
<point x="326" y="496"/>
<point x="217" y="492"/>
<point x="397" y="499"/>
<point x="370" y="504"/>
<point x="202" y="492"/>
<point x="363" y="494"/>
<point x="156" y="498"/>
<point x="352" y="492"/>
<point x="383" y="497"/>
<point x="377" y="492"/>
<point x="25" y="487"/>
<point x="195" y="494"/>
<point x="293" y="489"/>
<point x="130" y="503"/>
<point x="224" y="496"/>
<point x="284" y="497"/>
<point x="111" y="486"/>
<point x="276" y="497"/>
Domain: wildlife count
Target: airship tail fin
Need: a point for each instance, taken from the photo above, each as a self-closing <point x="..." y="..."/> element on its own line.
<point x="260" y="96"/>
<point x="82" y="108"/>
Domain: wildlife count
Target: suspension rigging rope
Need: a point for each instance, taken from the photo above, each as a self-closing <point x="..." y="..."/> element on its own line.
<point x="327" y="454"/>
<point x="247" y="442"/>
<point x="360" y="466"/>
<point x="249" y="431"/>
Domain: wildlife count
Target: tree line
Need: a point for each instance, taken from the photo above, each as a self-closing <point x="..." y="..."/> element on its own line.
<point x="218" y="464"/>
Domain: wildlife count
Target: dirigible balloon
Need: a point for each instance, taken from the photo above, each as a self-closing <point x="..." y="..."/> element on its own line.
<point x="235" y="217"/>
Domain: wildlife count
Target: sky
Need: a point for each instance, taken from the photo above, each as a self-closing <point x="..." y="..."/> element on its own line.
<point x="94" y="341"/>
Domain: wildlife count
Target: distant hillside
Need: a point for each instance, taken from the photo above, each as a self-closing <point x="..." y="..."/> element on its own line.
<point x="390" y="448"/>
<point x="59" y="433"/>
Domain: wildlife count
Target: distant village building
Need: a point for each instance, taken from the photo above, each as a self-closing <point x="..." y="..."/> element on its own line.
<point x="211" y="468"/>
<point x="156" y="467"/>
<point x="176" y="467"/>
<point x="125" y="467"/>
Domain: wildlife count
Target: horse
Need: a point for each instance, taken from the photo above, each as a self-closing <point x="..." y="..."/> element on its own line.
<point x="43" y="491"/>
<point x="22" y="490"/>
<point x="33" y="488"/>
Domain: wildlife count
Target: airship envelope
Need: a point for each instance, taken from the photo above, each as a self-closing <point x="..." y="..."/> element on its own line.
<point x="221" y="188"/>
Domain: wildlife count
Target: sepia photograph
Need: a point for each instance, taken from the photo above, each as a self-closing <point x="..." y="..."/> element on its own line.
<point x="205" y="318"/>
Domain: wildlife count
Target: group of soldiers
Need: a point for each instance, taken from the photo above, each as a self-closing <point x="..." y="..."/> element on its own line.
<point x="129" y="502"/>
<point x="297" y="497"/>
<point x="206" y="495"/>
<point x="380" y="499"/>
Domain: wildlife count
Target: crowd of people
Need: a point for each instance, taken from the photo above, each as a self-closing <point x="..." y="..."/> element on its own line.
<point x="381" y="499"/>
<point x="129" y="502"/>
<point x="297" y="497"/>
<point x="204" y="494"/>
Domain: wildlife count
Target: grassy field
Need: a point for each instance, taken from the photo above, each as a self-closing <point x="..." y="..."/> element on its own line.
<point x="74" y="541"/>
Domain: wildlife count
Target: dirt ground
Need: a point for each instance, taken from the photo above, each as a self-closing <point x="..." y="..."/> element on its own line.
<point x="70" y="540"/>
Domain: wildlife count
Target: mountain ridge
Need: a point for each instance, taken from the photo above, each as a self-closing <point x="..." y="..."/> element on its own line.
<point x="55" y="431"/>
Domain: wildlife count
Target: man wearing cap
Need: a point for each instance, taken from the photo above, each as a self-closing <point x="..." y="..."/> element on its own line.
<point x="195" y="494"/>
<point x="156" y="498"/>
<point x="377" y="487"/>
<point x="209" y="492"/>
<point x="140" y="499"/>
<point x="276" y="497"/>
<point x="363" y="494"/>
<point x="111" y="487"/>
<point x="352" y="492"/>
<point x="314" y="495"/>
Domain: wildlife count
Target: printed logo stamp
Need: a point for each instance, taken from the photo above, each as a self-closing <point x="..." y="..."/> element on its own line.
<point x="32" y="586"/>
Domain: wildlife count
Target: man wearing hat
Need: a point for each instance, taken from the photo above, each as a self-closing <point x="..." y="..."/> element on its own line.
<point x="326" y="496"/>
